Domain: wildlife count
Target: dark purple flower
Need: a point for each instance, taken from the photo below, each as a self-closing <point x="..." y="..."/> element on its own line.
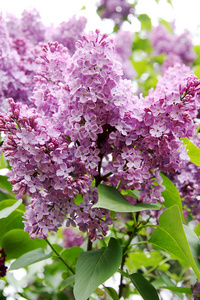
<point x="3" y="268"/>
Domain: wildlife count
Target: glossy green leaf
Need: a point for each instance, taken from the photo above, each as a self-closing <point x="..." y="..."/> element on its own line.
<point x="5" y="184"/>
<point x="4" y="213"/>
<point x="95" y="267"/>
<point x="167" y="25"/>
<point x="5" y="196"/>
<point x="29" y="258"/>
<point x="197" y="70"/>
<point x="135" y="260"/>
<point x="170" y="236"/>
<point x="144" y="287"/>
<point x="193" y="151"/>
<point x="110" y="198"/>
<point x="197" y="229"/>
<point x="17" y="242"/>
<point x="14" y="220"/>
<point x="3" y="162"/>
<point x="193" y="241"/>
<point x="145" y="22"/>
<point x="111" y="292"/>
<point x="71" y="254"/>
<point x="177" y="289"/>
<point x="69" y="281"/>
<point x="171" y="194"/>
<point x="139" y="66"/>
<point x="168" y="282"/>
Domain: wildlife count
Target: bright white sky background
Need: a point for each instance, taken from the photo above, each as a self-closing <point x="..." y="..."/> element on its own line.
<point x="186" y="13"/>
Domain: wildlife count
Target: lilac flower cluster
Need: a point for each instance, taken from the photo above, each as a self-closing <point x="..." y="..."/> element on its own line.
<point x="117" y="10"/>
<point x="13" y="81"/>
<point x="72" y="238"/>
<point x="3" y="268"/>
<point x="178" y="45"/>
<point x="21" y="42"/>
<point x="196" y="291"/>
<point x="67" y="33"/>
<point x="123" y="48"/>
<point x="28" y="26"/>
<point x="88" y="126"/>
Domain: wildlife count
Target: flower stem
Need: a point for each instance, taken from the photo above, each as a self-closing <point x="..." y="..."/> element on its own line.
<point x="135" y="230"/>
<point x="59" y="256"/>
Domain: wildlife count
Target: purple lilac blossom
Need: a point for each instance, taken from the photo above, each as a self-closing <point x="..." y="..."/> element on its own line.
<point x="87" y="124"/>
<point x="67" y="33"/>
<point x="196" y="291"/>
<point x="117" y="10"/>
<point x="165" y="42"/>
<point x="20" y="46"/>
<point x="3" y="268"/>
<point x="72" y="238"/>
<point x="123" y="48"/>
<point x="14" y="82"/>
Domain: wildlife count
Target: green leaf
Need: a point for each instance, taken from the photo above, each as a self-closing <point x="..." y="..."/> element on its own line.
<point x="69" y="281"/>
<point x="197" y="70"/>
<point x="3" y="162"/>
<point x="95" y="267"/>
<point x="168" y="282"/>
<point x="139" y="66"/>
<point x="5" y="184"/>
<point x="29" y="258"/>
<point x="4" y="213"/>
<point x="5" y="196"/>
<point x="166" y="24"/>
<point x="14" y="220"/>
<point x="135" y="260"/>
<point x="193" y="242"/>
<point x="197" y="229"/>
<point x="197" y="50"/>
<point x="17" y="242"/>
<point x="171" y="194"/>
<point x="141" y="44"/>
<point x="193" y="151"/>
<point x="170" y="236"/>
<point x="145" y="22"/>
<point x="144" y="287"/>
<point x="111" y="292"/>
<point x="71" y="254"/>
<point x="177" y="289"/>
<point x="110" y="198"/>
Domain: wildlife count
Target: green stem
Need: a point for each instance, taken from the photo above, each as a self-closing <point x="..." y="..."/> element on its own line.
<point x="124" y="258"/>
<point x="59" y="256"/>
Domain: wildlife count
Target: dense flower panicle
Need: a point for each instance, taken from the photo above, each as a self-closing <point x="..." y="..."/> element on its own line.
<point x="123" y="48"/>
<point x="21" y="44"/>
<point x="170" y="61"/>
<point x="50" y="82"/>
<point x="28" y="26"/>
<point x="86" y="125"/>
<point x="165" y="42"/>
<point x="196" y="291"/>
<point x="3" y="268"/>
<point x="117" y="10"/>
<point x="17" y="68"/>
<point x="68" y="33"/>
<point x="72" y="238"/>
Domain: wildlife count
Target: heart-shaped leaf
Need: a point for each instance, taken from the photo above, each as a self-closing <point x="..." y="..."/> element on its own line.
<point x="110" y="198"/>
<point x="95" y="267"/>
